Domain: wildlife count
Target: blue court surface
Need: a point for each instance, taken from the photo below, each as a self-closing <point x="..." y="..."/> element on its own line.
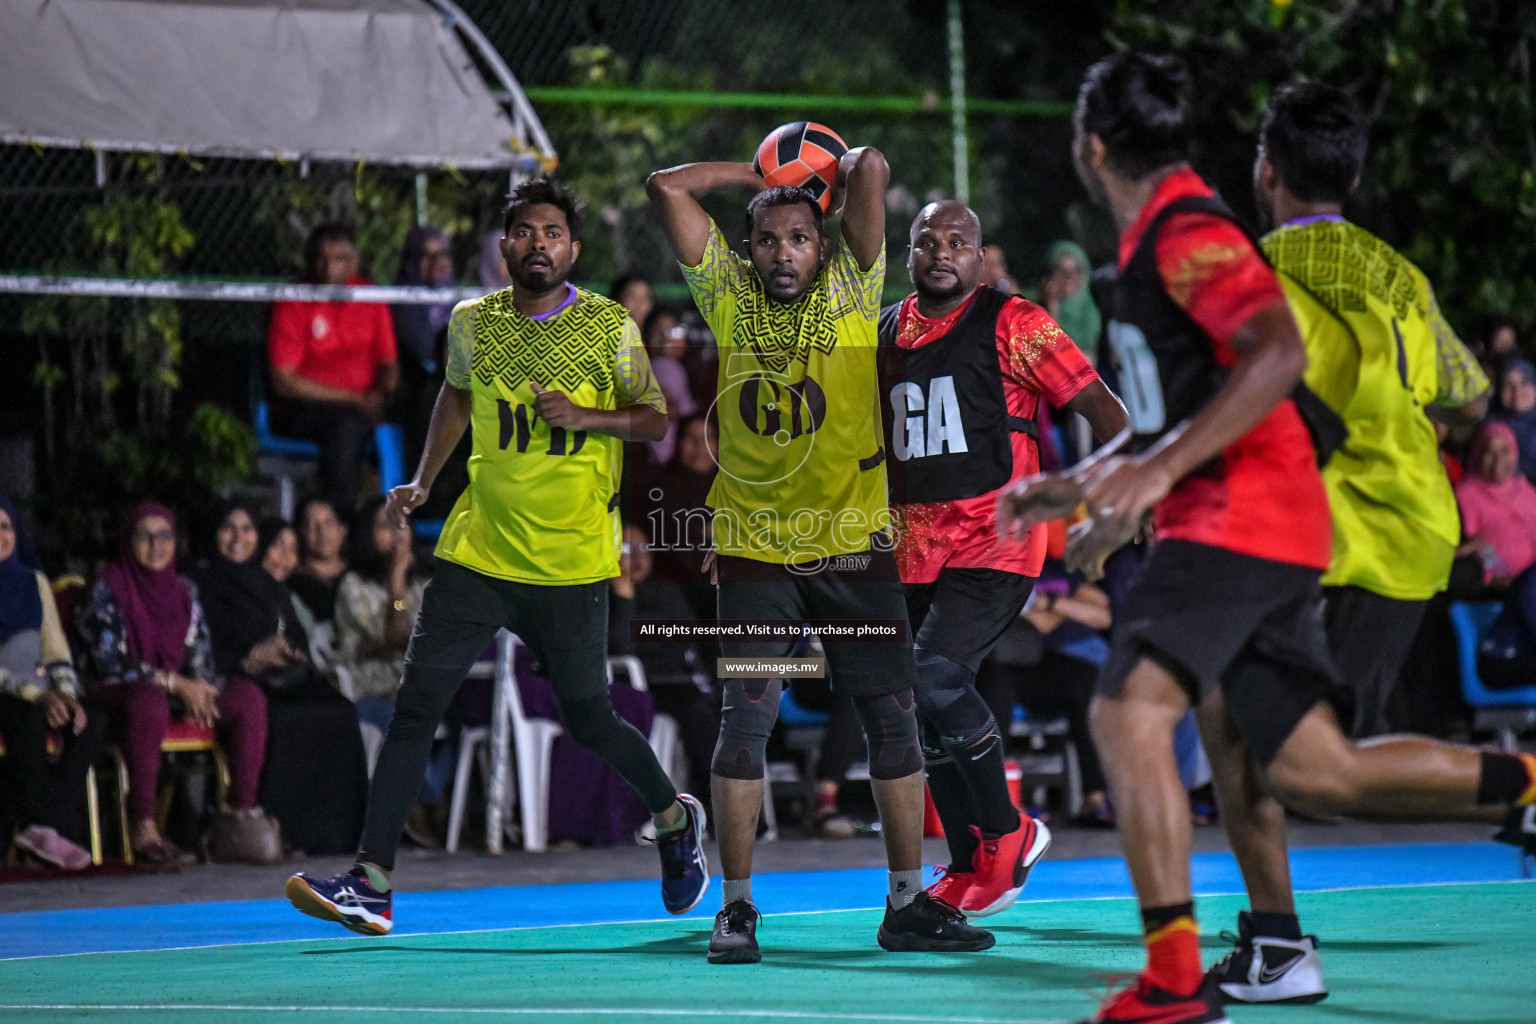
<point x="1412" y="933"/>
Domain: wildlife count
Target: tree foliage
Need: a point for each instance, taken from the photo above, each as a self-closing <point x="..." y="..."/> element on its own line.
<point x="1451" y="176"/>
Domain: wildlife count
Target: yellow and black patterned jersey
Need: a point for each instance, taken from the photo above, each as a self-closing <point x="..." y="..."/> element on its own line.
<point x="801" y="465"/>
<point x="1378" y="352"/>
<point x="540" y="503"/>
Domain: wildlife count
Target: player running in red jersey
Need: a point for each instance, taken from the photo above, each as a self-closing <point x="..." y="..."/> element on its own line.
<point x="964" y="368"/>
<point x="1226" y="613"/>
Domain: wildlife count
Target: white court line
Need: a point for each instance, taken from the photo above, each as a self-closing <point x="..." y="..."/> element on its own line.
<point x="664" y="920"/>
<point x="562" y="1011"/>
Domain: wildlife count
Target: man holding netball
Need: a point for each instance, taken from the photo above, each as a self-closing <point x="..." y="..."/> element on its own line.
<point x="800" y="503"/>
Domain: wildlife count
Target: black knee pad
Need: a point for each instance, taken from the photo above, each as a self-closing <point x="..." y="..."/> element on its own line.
<point x="953" y="713"/>
<point x="890" y="725"/>
<point x="748" y="709"/>
<point x="592" y="722"/>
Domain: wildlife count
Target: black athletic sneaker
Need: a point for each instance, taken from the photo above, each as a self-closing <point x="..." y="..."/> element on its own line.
<point x="1265" y="969"/>
<point x="684" y="867"/>
<point x="927" y="925"/>
<point x="734" y="940"/>
<point x="1520" y="830"/>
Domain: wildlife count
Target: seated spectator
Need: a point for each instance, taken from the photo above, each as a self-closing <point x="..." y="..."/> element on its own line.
<point x="147" y="645"/>
<point x="1498" y="514"/>
<point x="633" y="292"/>
<point x="671" y="505"/>
<point x="376" y="607"/>
<point x="1516" y="408"/>
<point x="420" y="336"/>
<point x="315" y="777"/>
<point x="39" y="694"/>
<point x="842" y="746"/>
<point x="333" y="366"/>
<point x="1048" y="661"/>
<point x="666" y="340"/>
<point x="277" y="544"/>
<point x="322" y="543"/>
<point x="994" y="270"/>
<point x="1500" y="339"/>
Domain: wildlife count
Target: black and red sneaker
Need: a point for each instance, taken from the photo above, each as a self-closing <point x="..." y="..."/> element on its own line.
<point x="1146" y="1002"/>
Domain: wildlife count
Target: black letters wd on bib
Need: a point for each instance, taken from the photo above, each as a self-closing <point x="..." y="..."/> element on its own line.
<point x="1166" y="363"/>
<point x="947" y="425"/>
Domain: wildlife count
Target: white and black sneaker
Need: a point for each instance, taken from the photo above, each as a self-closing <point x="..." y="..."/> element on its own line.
<point x="1265" y="969"/>
<point x="1520" y="830"/>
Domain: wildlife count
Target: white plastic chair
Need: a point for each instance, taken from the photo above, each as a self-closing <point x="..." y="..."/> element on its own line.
<point x="473" y="750"/>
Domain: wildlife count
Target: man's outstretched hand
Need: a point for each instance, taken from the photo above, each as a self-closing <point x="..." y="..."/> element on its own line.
<point x="403" y="500"/>
<point x="1117" y="490"/>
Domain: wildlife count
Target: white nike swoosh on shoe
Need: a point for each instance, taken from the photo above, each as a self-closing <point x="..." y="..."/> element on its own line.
<point x="1268" y="974"/>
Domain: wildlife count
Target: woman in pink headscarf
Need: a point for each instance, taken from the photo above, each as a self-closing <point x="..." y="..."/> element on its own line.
<point x="147" y="645"/>
<point x="1498" y="506"/>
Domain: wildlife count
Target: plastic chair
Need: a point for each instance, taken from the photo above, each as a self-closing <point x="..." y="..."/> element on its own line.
<point x="1043" y="769"/>
<point x="180" y="738"/>
<point x="283" y="453"/>
<point x="474" y="744"/>
<point x="1505" y="712"/>
<point x="92" y="796"/>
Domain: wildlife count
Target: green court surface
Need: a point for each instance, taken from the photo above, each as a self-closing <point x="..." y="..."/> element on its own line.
<point x="1405" y="954"/>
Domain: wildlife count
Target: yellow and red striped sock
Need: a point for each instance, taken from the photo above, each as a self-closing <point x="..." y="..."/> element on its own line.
<point x="1173" y="947"/>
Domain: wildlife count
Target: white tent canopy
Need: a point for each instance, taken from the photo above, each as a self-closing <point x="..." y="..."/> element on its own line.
<point x="380" y="81"/>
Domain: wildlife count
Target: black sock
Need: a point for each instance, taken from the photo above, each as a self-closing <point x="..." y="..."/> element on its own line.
<point x="1153" y="918"/>
<point x="1504" y="778"/>
<point x="1276" y="926"/>
<point x="981" y="764"/>
<point x="952" y="800"/>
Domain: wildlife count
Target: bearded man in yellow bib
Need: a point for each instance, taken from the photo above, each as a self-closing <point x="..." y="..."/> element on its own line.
<point x="800" y="509"/>
<point x="552" y="380"/>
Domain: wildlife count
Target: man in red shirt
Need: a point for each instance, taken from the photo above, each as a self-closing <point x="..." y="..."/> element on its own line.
<point x="963" y="370"/>
<point x="333" y="365"/>
<point x="1226" y="614"/>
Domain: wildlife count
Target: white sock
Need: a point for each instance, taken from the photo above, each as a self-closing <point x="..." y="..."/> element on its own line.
<point x="737" y="889"/>
<point x="905" y="885"/>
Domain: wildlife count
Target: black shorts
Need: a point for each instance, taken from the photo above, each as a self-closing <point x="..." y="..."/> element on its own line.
<point x="861" y="587"/>
<point x="962" y="614"/>
<point x="1251" y="626"/>
<point x="564" y="626"/>
<point x="1369" y="637"/>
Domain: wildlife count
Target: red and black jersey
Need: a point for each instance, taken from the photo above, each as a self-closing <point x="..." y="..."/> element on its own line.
<point x="971" y="397"/>
<point x="1264" y="495"/>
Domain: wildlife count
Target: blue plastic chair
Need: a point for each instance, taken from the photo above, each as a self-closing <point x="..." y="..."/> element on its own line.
<point x="1506" y="712"/>
<point x="388" y="444"/>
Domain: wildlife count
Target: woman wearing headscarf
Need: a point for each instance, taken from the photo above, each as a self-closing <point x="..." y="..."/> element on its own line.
<point x="147" y="644"/>
<point x="314" y="779"/>
<point x="1065" y="294"/>
<point x="1498" y="516"/>
<point x="39" y="694"/>
<point x="1517" y="409"/>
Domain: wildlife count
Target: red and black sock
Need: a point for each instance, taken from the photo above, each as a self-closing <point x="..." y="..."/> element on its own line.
<point x="1173" y="947"/>
<point x="1507" y="779"/>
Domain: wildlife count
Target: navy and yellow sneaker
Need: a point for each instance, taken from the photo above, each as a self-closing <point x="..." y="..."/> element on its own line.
<point x="349" y="900"/>
<point x="684" y="867"/>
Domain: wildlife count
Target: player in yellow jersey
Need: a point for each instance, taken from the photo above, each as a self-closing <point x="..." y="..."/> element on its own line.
<point x="1383" y="358"/>
<point x="552" y="380"/>
<point x="800" y="507"/>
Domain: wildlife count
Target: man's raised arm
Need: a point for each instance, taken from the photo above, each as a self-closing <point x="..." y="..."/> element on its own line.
<point x="675" y="195"/>
<point x="862" y="175"/>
